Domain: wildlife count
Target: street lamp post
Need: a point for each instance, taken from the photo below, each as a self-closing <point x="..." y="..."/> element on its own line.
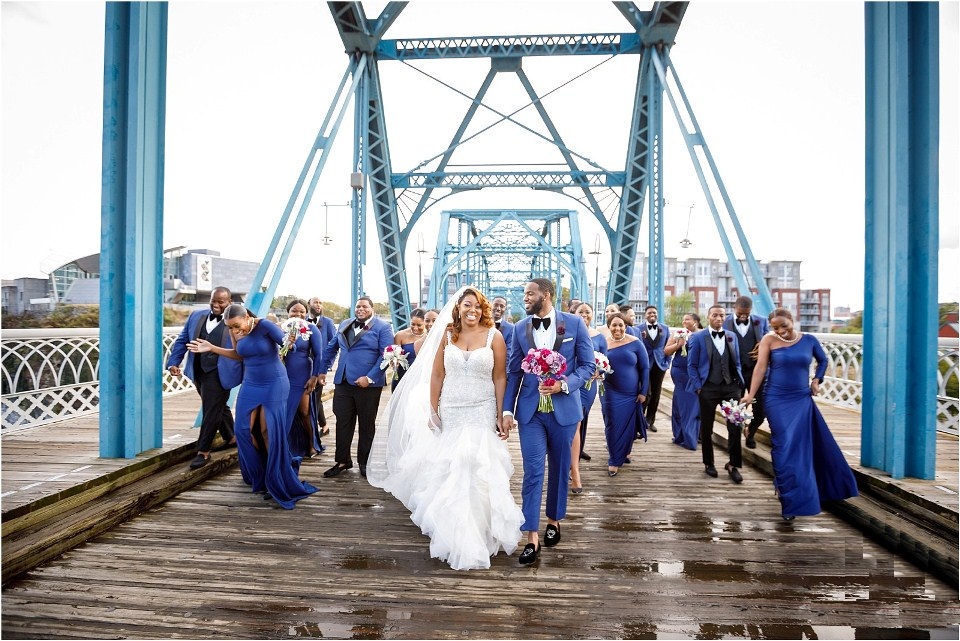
<point x="420" y="251"/>
<point x="326" y="220"/>
<point x="596" y="279"/>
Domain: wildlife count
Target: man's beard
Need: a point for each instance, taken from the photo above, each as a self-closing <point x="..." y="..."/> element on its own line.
<point x="535" y="308"/>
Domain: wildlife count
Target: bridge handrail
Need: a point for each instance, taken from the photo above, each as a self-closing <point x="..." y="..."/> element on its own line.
<point x="52" y="374"/>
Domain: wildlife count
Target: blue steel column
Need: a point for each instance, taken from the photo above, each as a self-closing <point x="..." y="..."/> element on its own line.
<point x="902" y="213"/>
<point x="655" y="281"/>
<point x="131" y="236"/>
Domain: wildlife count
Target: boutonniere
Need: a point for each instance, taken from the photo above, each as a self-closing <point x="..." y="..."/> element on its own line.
<point x="729" y="338"/>
<point x="561" y="330"/>
<point x="756" y="323"/>
<point x="643" y="333"/>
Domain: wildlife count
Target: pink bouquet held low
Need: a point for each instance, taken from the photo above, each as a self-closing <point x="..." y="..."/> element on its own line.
<point x="294" y="329"/>
<point x="603" y="368"/>
<point x="394" y="358"/>
<point x="737" y="413"/>
<point x="683" y="333"/>
<point x="545" y="364"/>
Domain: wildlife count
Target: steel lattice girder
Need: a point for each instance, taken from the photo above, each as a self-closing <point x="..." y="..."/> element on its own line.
<point x="499" y="250"/>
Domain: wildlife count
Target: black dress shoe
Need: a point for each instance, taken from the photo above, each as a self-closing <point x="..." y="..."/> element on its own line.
<point x="199" y="462"/>
<point x="336" y="469"/>
<point x="584" y="456"/>
<point x="363" y="471"/>
<point x="530" y="554"/>
<point x="710" y="470"/>
<point x="734" y="473"/>
<point x="552" y="536"/>
<point x="788" y="518"/>
<point x="577" y="490"/>
<point x="651" y="428"/>
<point x="626" y="460"/>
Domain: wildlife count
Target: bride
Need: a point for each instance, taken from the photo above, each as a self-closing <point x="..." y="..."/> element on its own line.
<point x="443" y="453"/>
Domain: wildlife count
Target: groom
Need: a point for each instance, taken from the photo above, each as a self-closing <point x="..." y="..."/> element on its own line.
<point x="546" y="436"/>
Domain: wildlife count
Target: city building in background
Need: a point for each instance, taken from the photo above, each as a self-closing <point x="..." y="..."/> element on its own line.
<point x="189" y="275"/>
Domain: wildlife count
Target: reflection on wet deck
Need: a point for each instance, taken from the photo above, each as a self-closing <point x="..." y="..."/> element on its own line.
<point x="658" y="552"/>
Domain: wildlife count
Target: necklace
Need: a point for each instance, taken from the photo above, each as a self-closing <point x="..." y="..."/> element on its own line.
<point x="792" y="340"/>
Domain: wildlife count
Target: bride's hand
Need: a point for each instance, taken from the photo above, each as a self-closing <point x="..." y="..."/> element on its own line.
<point x="502" y="430"/>
<point x="434" y="422"/>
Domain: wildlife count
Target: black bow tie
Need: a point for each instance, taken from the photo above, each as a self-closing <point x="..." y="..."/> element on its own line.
<point x="359" y="324"/>
<point x="717" y="334"/>
<point x="743" y="322"/>
<point x="653" y="328"/>
<point x="498" y="324"/>
<point x="216" y="317"/>
<point x="541" y="322"/>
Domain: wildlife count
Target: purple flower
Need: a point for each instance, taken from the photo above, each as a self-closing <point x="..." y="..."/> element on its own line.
<point x="561" y="330"/>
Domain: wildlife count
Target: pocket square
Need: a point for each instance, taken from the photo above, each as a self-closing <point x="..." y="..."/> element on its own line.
<point x="566" y="340"/>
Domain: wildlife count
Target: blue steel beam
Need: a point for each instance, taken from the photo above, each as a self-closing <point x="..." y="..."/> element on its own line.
<point x="131" y="236"/>
<point x="655" y="279"/>
<point x="531" y="179"/>
<point x="898" y="433"/>
<point x="588" y="44"/>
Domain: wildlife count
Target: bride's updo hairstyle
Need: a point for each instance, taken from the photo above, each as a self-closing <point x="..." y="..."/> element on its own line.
<point x="237" y="310"/>
<point x="486" y="312"/>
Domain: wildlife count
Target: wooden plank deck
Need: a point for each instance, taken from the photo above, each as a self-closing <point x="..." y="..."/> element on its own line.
<point x="660" y="551"/>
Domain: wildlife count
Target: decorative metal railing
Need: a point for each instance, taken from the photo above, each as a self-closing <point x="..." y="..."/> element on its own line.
<point x="52" y="374"/>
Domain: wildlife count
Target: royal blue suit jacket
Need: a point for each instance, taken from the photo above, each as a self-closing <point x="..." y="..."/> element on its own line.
<point x="363" y="358"/>
<point x="699" y="348"/>
<point x="229" y="370"/>
<point x="654" y="348"/>
<point x="573" y="341"/>
<point x="759" y="324"/>
<point x="507" y="328"/>
<point x="327" y="328"/>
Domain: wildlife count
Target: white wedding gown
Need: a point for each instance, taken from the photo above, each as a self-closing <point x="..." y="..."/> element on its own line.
<point x="456" y="484"/>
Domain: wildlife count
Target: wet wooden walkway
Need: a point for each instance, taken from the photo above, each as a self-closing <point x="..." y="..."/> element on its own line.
<point x="660" y="551"/>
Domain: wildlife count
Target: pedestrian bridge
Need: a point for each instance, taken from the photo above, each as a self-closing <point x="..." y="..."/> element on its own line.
<point x="146" y="548"/>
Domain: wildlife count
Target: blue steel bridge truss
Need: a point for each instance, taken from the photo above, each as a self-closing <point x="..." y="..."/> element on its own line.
<point x="616" y="197"/>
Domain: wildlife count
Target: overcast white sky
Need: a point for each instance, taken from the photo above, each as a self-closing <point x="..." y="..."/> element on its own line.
<point x="777" y="89"/>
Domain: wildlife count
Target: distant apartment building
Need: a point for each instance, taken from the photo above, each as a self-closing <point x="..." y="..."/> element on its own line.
<point x="711" y="282"/>
<point x="189" y="275"/>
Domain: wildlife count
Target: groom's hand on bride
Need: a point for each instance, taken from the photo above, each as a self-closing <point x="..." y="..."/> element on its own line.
<point x="507" y="423"/>
<point x="502" y="430"/>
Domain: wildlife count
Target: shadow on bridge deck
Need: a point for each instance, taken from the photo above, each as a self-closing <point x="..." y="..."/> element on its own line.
<point x="660" y="551"/>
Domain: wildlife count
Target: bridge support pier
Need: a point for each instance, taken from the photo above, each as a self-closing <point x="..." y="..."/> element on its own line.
<point x="131" y="237"/>
<point x="902" y="223"/>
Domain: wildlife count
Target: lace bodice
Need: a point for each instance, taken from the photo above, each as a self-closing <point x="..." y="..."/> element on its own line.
<point x="468" y="380"/>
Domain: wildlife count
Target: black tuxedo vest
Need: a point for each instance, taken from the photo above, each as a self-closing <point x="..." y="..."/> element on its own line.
<point x="208" y="360"/>
<point x="723" y="367"/>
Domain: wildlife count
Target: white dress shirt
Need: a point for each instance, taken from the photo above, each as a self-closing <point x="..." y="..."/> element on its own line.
<point x="720" y="342"/>
<point x="544" y="338"/>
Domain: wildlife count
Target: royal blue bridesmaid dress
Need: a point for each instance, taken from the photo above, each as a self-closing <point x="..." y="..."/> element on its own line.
<point x="589" y="396"/>
<point x="303" y="362"/>
<point x="808" y="465"/>
<point x="411" y="356"/>
<point x="265" y="384"/>
<point x="622" y="413"/>
<point x="685" y="412"/>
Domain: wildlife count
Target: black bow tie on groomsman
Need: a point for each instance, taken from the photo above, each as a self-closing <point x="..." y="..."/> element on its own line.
<point x="743" y="322"/>
<point x="653" y="328"/>
<point x="717" y="334"/>
<point x="359" y="324"/>
<point x="541" y="322"/>
<point x="216" y="317"/>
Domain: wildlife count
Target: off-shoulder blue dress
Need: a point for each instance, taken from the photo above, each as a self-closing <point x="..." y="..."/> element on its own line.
<point x="808" y="465"/>
<point x="622" y="413"/>
<point x="685" y="412"/>
<point x="265" y="384"/>
<point x="301" y="363"/>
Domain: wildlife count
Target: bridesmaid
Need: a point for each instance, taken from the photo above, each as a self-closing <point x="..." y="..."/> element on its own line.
<point x="808" y="466"/>
<point x="626" y="390"/>
<point x="686" y="405"/>
<point x="302" y="362"/>
<point x="407" y="339"/>
<point x="587" y="398"/>
<point x="261" y="425"/>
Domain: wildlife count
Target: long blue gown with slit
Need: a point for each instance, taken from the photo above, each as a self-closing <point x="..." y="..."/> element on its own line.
<point x="685" y="412"/>
<point x="301" y="363"/>
<point x="808" y="465"/>
<point x="265" y="384"/>
<point x="622" y="412"/>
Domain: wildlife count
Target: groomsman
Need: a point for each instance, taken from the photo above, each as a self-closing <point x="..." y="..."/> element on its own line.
<point x="630" y="318"/>
<point x="359" y="381"/>
<point x="546" y="437"/>
<point x="504" y="326"/>
<point x="748" y="329"/>
<point x="654" y="336"/>
<point x="713" y="365"/>
<point x="327" y="332"/>
<point x="211" y="375"/>
<point x="573" y="304"/>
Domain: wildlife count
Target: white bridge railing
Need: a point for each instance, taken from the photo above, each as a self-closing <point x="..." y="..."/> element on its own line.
<point x="54" y="374"/>
<point x="51" y="374"/>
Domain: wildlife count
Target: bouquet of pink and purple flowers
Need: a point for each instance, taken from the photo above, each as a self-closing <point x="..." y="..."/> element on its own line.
<point x="603" y="368"/>
<point x="545" y="364"/>
<point x="736" y="413"/>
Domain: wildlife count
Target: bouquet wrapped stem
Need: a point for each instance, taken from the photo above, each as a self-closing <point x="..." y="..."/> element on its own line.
<point x="545" y="364"/>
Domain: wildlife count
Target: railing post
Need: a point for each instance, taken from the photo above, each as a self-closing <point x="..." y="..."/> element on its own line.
<point x="902" y="139"/>
<point x="131" y="236"/>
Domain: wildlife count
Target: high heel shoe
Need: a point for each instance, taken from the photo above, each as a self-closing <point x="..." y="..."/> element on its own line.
<point x="577" y="490"/>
